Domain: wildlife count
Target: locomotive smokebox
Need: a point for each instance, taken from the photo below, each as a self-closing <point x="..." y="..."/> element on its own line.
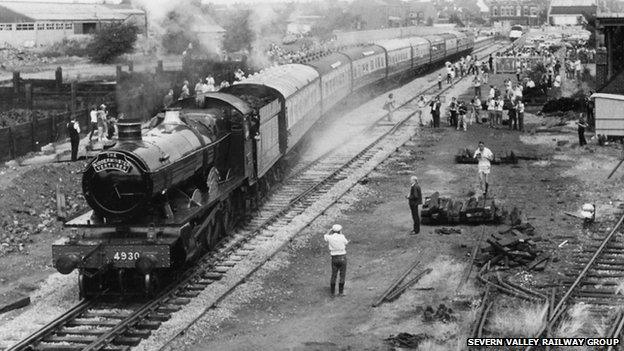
<point x="129" y="131"/>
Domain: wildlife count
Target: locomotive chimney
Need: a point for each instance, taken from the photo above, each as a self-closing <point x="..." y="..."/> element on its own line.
<point x="129" y="131"/>
<point x="172" y="116"/>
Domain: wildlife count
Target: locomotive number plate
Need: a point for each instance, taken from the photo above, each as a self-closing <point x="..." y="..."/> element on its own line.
<point x="112" y="161"/>
<point x="126" y="256"/>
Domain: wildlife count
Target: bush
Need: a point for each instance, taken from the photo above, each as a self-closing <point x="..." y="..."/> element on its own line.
<point x="67" y="47"/>
<point x="564" y="104"/>
<point x="112" y="41"/>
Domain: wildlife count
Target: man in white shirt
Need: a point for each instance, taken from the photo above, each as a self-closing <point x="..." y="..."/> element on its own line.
<point x="485" y="156"/>
<point x="337" y="249"/>
<point x="93" y="115"/>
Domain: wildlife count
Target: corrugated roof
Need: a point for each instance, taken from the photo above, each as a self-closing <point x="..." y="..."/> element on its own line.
<point x="46" y="11"/>
<point x="287" y="79"/>
<point x="417" y="41"/>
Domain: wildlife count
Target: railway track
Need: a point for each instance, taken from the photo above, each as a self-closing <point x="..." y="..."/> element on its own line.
<point x="595" y="281"/>
<point x="100" y="325"/>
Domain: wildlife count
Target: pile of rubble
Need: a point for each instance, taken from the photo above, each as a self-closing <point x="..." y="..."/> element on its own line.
<point x="514" y="247"/>
<point x="13" y="117"/>
<point x="29" y="204"/>
<point x="11" y="58"/>
<point x="466" y="156"/>
<point x="475" y="210"/>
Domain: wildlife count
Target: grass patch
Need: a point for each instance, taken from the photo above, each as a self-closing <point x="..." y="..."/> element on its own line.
<point x="578" y="322"/>
<point x="522" y="321"/>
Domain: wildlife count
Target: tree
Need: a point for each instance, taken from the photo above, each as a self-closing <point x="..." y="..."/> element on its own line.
<point x="332" y="19"/>
<point x="111" y="41"/>
<point x="238" y="33"/>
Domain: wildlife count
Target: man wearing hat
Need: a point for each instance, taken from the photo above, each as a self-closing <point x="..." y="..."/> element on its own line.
<point x="337" y="249"/>
<point x="415" y="199"/>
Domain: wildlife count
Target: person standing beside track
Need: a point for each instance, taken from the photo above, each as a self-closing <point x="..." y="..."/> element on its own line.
<point x="453" y="111"/>
<point x="484" y="156"/>
<point x="390" y="106"/>
<point x="421" y="103"/>
<point x="415" y="199"/>
<point x="93" y="116"/>
<point x="73" y="129"/>
<point x="338" y="250"/>
<point x="435" y="111"/>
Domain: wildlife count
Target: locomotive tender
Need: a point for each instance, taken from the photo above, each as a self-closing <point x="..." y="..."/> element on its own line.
<point x="164" y="194"/>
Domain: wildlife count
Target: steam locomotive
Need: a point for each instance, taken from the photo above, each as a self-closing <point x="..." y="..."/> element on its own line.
<point x="168" y="192"/>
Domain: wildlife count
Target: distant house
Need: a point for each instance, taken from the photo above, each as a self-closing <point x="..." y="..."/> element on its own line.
<point x="209" y="33"/>
<point x="376" y="14"/>
<point x="43" y="23"/>
<point x="510" y="12"/>
<point x="570" y="12"/>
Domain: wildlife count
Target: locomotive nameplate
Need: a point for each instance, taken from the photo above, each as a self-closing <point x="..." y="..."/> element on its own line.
<point x="111" y="161"/>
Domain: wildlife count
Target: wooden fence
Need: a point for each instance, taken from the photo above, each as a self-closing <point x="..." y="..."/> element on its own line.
<point x="58" y="100"/>
<point x="20" y="139"/>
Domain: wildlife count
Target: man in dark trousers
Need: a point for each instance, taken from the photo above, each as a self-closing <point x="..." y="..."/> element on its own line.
<point x="491" y="63"/>
<point x="73" y="130"/>
<point x="415" y="199"/>
<point x="581" y="130"/>
<point x="435" y="111"/>
<point x="338" y="250"/>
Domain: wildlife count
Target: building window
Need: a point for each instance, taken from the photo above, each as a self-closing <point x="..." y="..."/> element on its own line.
<point x="533" y="11"/>
<point x="50" y="26"/>
<point x="25" y="26"/>
<point x="495" y="11"/>
<point x="69" y="25"/>
<point x="40" y="26"/>
<point x="519" y="11"/>
<point x="6" y="26"/>
<point x="526" y="10"/>
<point x="59" y="25"/>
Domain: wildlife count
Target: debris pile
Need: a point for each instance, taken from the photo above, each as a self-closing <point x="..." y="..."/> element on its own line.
<point x="513" y="247"/>
<point x="407" y="340"/>
<point x="475" y="210"/>
<point x="30" y="206"/>
<point x="443" y="314"/>
<point x="466" y="156"/>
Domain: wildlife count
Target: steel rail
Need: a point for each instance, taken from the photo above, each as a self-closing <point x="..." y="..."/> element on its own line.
<point x="559" y="308"/>
<point x="57" y="323"/>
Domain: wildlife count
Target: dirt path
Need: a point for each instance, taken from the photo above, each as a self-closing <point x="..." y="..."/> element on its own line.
<point x="287" y="305"/>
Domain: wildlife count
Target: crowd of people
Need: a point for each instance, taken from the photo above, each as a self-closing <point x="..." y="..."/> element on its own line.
<point x="205" y="85"/>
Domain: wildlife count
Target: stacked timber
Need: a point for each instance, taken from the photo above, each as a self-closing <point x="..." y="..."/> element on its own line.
<point x="475" y="210"/>
<point x="514" y="246"/>
<point x="465" y="156"/>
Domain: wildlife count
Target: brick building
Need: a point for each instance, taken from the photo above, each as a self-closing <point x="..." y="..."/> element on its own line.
<point x="376" y="14"/>
<point x="510" y="12"/>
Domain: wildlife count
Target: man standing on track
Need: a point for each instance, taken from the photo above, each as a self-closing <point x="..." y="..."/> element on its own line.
<point x="415" y="199"/>
<point x="338" y="251"/>
<point x="485" y="156"/>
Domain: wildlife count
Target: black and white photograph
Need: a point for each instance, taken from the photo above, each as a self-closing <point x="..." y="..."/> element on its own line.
<point x="311" y="175"/>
